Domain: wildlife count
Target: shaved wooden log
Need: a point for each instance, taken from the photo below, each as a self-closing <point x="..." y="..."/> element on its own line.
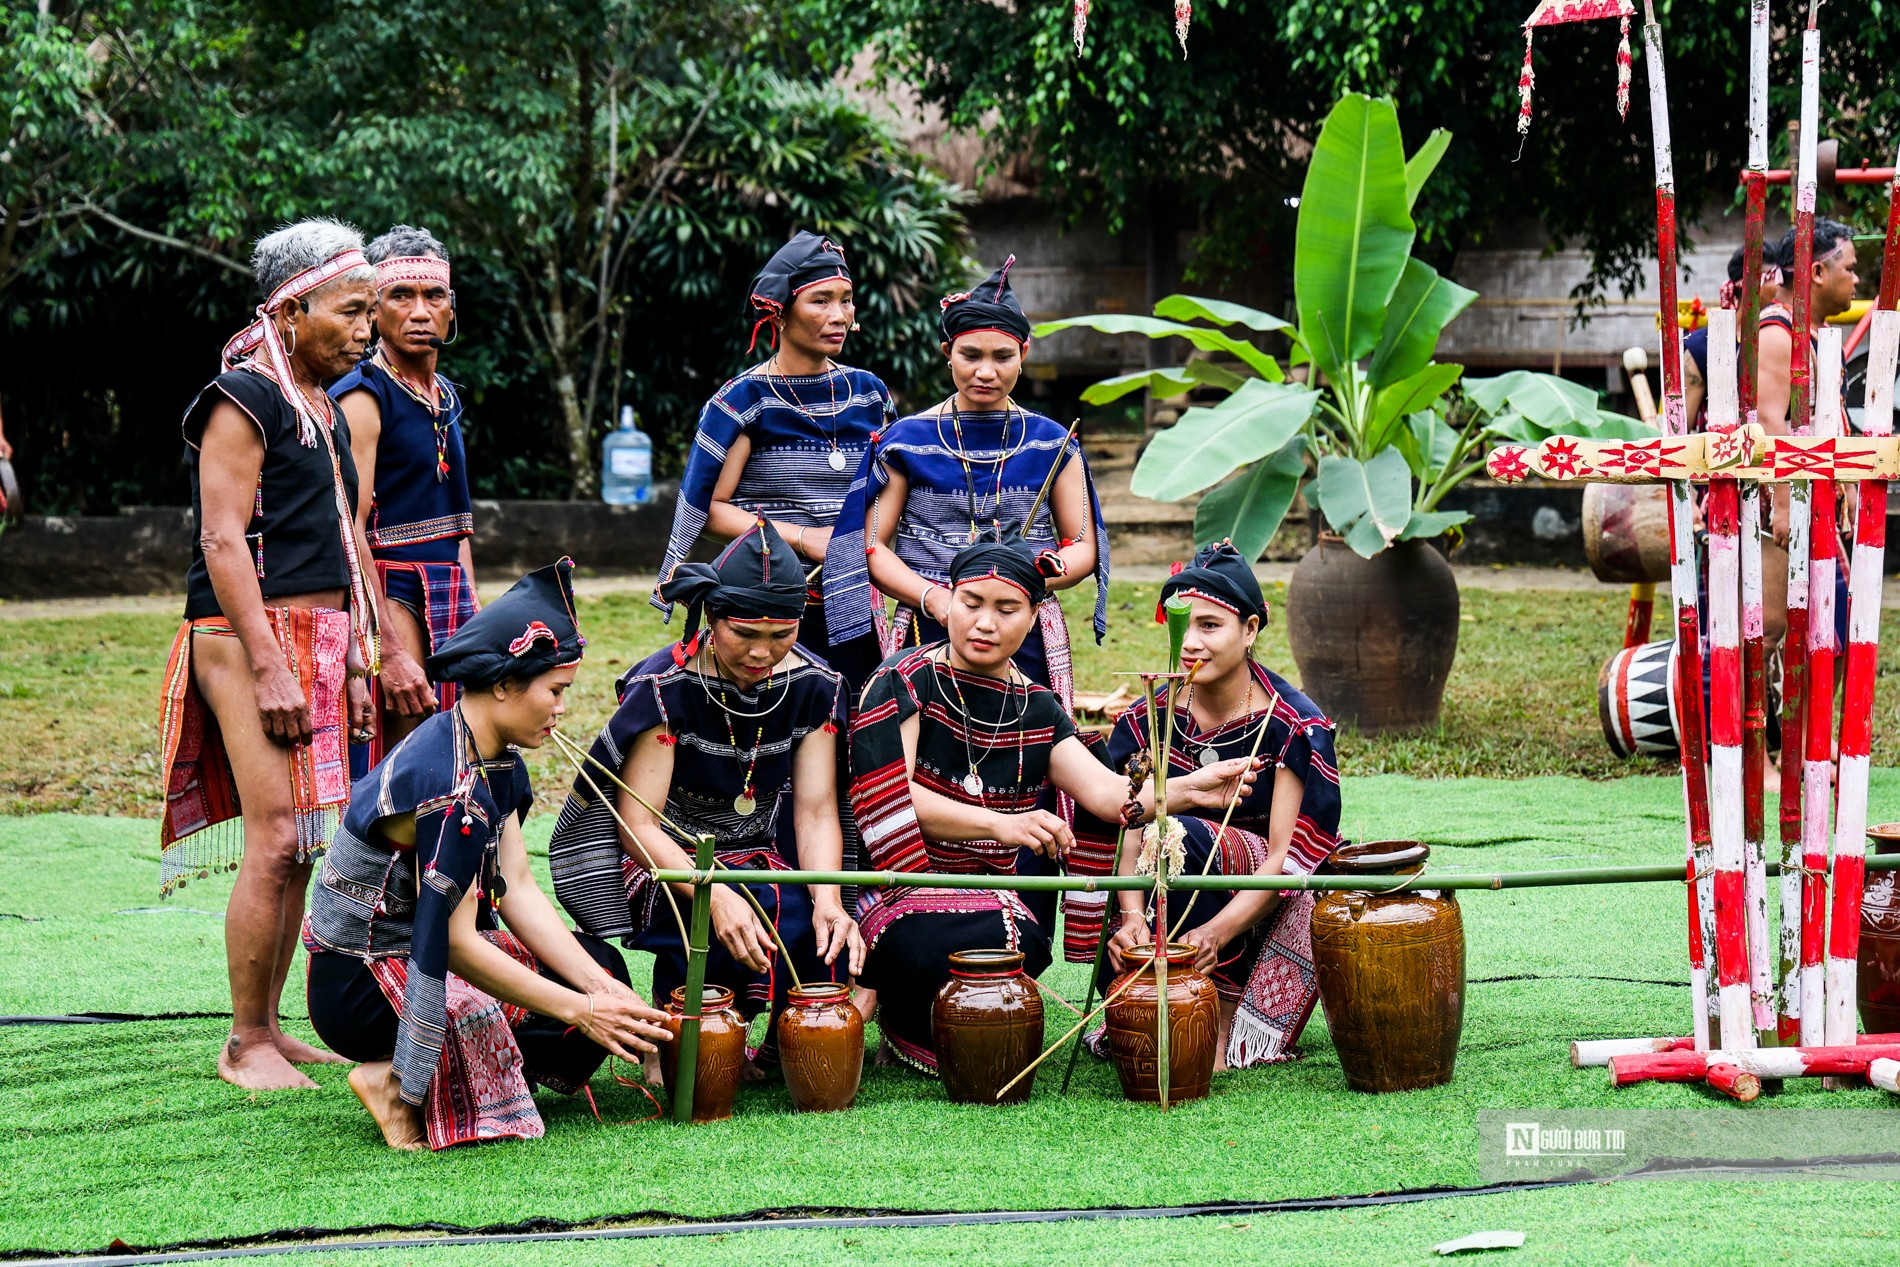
<point x="1885" y="1074"/>
<point x="1595" y="1053"/>
<point x="1763" y="1062"/>
<point x="1734" y="1082"/>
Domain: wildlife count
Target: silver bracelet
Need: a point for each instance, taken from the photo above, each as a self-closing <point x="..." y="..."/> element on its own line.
<point x="923" y="600"/>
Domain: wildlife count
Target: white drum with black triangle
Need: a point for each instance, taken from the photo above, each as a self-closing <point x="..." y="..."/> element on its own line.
<point x="1636" y="700"/>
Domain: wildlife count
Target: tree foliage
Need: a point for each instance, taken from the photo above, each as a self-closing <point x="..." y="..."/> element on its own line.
<point x="607" y="173"/>
<point x="1223" y="132"/>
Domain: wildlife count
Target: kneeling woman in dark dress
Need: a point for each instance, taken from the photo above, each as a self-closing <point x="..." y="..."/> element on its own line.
<point x="410" y="971"/>
<point x="729" y="732"/>
<point x="1256" y="946"/>
<point x="953" y="748"/>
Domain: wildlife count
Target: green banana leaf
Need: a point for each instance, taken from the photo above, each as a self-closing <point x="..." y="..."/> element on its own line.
<point x="1368" y="502"/>
<point x="1424" y="161"/>
<point x="1354" y="232"/>
<point x="1248" y="508"/>
<point x="1168" y="382"/>
<point x="1155" y="328"/>
<point x="1390" y="405"/>
<point x="1422" y="306"/>
<point x="1218" y="311"/>
<point x="1210" y="442"/>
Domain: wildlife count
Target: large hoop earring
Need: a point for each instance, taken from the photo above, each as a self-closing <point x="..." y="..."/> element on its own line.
<point x="455" y="322"/>
<point x="291" y="348"/>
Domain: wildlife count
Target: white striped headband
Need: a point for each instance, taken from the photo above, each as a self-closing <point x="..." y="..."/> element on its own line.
<point x="421" y="270"/>
<point x="302" y="284"/>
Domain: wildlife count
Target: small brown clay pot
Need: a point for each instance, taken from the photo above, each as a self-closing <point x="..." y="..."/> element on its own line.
<point x="1193" y="1027"/>
<point x="1391" y="971"/>
<point x="721" y="1052"/>
<point x="821" y="1047"/>
<point x="1879" y="974"/>
<point x="986" y="1026"/>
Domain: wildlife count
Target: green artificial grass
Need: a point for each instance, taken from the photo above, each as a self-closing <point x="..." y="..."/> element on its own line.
<point x="1614" y="1224"/>
<point x="124" y="1131"/>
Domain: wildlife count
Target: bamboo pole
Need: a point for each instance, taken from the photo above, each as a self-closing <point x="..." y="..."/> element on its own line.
<point x="1763" y="1062"/>
<point x="1495" y="881"/>
<point x="1817" y="757"/>
<point x="685" y="1072"/>
<point x="1101" y="953"/>
<point x="1723" y="509"/>
<point x="1682" y="572"/>
<point x="1863" y="653"/>
<point x="1754" y="651"/>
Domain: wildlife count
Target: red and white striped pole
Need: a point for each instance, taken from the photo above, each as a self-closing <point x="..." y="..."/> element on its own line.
<point x="1723" y="509"/>
<point x="1754" y="652"/>
<point x="1796" y="676"/>
<point x="1817" y="763"/>
<point x="1863" y="654"/>
<point x="1682" y="571"/>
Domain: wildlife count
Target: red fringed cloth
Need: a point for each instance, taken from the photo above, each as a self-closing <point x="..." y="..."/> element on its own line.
<point x="1559" y="12"/>
<point x="479" y="1091"/>
<point x="200" y="832"/>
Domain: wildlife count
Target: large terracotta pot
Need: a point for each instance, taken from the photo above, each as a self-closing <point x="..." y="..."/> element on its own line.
<point x="1374" y="638"/>
<point x="1879" y="974"/>
<point x="1391" y="971"/>
<point x="1193" y="1027"/>
<point x="986" y="1026"/>
<point x="721" y="1052"/>
<point x="821" y="1047"/>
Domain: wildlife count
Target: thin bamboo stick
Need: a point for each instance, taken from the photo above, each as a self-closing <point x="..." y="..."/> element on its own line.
<point x="1725" y="704"/>
<point x="1817" y="763"/>
<point x="1754" y="654"/>
<point x="568" y="749"/>
<point x="1101" y="953"/>
<point x="1863" y="653"/>
<point x="685" y="1073"/>
<point x="1682" y="567"/>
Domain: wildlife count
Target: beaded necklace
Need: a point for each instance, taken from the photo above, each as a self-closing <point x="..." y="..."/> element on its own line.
<point x="746" y="802"/>
<point x="836" y="459"/>
<point x="439" y="400"/>
<point x="1003" y="454"/>
<point x="973" y="781"/>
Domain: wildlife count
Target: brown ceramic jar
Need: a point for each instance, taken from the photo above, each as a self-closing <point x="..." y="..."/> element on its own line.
<point x="1193" y="1027"/>
<point x="1391" y="971"/>
<point x="721" y="1052"/>
<point x="821" y="1047"/>
<point x="986" y="1026"/>
<point x="1879" y="973"/>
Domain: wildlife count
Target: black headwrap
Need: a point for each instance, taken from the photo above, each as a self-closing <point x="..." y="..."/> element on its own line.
<point x="800" y="264"/>
<point x="1219" y="575"/>
<point x="757" y="577"/>
<point x="522" y="634"/>
<point x="1009" y="560"/>
<point x="991" y="306"/>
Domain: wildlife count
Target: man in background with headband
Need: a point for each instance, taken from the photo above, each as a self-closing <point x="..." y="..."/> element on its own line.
<point x="405" y="431"/>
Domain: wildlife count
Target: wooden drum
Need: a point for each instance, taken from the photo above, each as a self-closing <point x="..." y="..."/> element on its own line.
<point x="1626" y="531"/>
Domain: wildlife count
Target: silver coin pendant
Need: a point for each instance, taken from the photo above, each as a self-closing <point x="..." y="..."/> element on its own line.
<point x="1208" y="757"/>
<point x="973" y="783"/>
<point x="744" y="805"/>
<point x="836" y="460"/>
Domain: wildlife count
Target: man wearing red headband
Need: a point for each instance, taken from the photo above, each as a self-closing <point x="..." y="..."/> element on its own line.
<point x="405" y="432"/>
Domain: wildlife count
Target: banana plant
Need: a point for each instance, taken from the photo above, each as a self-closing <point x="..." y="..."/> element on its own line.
<point x="1374" y="429"/>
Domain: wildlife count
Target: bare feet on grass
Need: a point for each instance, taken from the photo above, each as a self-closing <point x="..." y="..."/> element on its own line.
<point x="377" y="1086"/>
<point x="256" y="1065"/>
<point x="298" y="1052"/>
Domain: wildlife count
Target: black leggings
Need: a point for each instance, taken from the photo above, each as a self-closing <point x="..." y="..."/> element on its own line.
<point x="351" y="1016"/>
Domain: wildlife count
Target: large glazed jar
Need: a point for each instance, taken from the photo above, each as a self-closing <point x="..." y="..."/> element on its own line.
<point x="721" y="1052"/>
<point x="986" y="1026"/>
<point x="821" y="1047"/>
<point x="1391" y="970"/>
<point x="1193" y="1027"/>
<point x="1879" y="974"/>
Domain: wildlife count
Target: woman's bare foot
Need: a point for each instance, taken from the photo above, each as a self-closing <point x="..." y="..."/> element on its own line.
<point x="256" y="1065"/>
<point x="401" y="1122"/>
<point x="650" y="1069"/>
<point x="865" y="1001"/>
<point x="298" y="1052"/>
<point x="752" y="1072"/>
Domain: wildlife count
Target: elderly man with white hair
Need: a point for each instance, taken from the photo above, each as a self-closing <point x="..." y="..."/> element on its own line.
<point x="279" y="627"/>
